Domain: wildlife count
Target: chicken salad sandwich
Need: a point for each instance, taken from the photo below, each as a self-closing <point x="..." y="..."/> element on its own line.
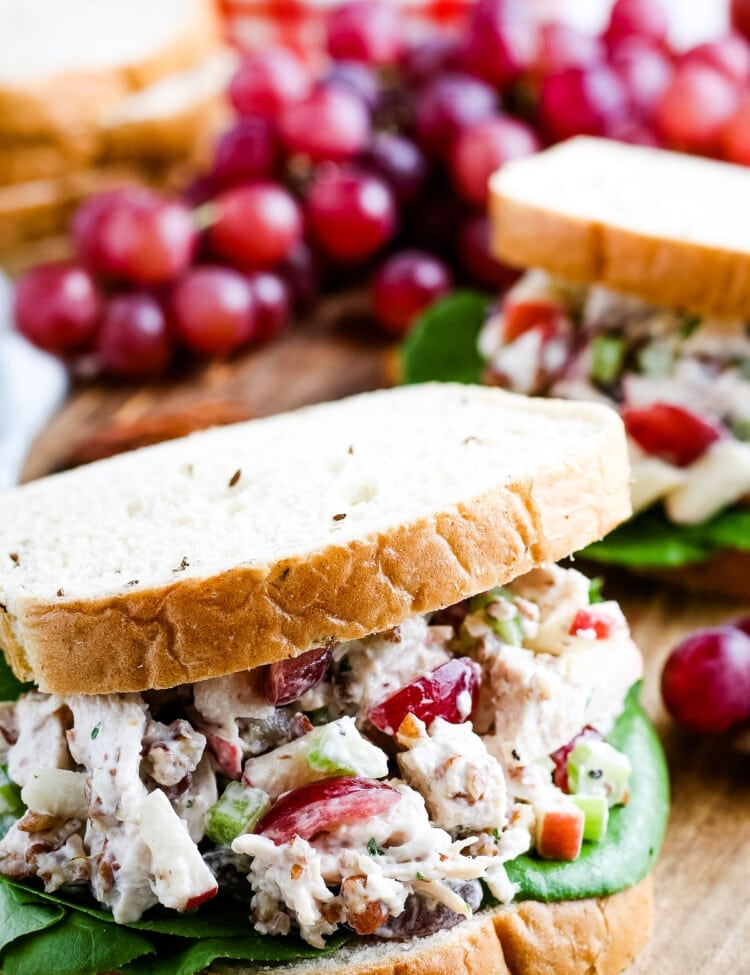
<point x="311" y="692"/>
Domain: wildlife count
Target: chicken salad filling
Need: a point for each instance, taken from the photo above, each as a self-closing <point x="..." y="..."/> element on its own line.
<point x="681" y="383"/>
<point x="382" y="784"/>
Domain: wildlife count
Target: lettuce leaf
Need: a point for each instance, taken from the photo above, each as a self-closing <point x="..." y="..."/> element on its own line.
<point x="442" y="346"/>
<point x="650" y="540"/>
<point x="11" y="687"/>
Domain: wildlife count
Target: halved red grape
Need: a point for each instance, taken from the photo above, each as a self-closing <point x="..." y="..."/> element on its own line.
<point x="57" y="307"/>
<point x="226" y="754"/>
<point x="740" y="16"/>
<point x="560" y="757"/>
<point x="406" y="284"/>
<point x="582" y="101"/>
<point x="273" y="300"/>
<point x="287" y="680"/>
<point x="695" y="107"/>
<point x="672" y="433"/>
<point x="321" y="806"/>
<point x="484" y="147"/>
<point x="641" y="18"/>
<point x="268" y="80"/>
<point x="499" y="41"/>
<point x="246" y="152"/>
<point x="449" y="104"/>
<point x="352" y="214"/>
<point x="561" y="45"/>
<point x="213" y="309"/>
<point x="706" y="679"/>
<point x="451" y="692"/>
<point x="365" y="30"/>
<point x="330" y="125"/>
<point x="135" y="234"/>
<point x="255" y="226"/>
<point x="134" y="338"/>
<point x="729" y="54"/>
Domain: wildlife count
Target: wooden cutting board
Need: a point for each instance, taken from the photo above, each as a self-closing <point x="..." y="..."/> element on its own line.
<point x="703" y="876"/>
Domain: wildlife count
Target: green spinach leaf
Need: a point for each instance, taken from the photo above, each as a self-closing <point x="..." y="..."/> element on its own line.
<point x="21" y="914"/>
<point x="442" y="346"/>
<point x="11" y="688"/>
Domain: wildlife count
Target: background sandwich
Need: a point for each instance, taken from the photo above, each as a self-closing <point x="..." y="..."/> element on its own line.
<point x="310" y="685"/>
<point x="638" y="297"/>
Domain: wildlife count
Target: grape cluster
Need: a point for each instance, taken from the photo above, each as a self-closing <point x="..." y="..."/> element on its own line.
<point x="372" y="168"/>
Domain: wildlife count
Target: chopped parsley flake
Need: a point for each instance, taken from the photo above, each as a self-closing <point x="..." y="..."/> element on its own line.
<point x="420" y="876"/>
<point x="95" y="732"/>
<point x="373" y="849"/>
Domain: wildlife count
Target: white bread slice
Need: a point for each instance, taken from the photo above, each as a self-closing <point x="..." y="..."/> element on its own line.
<point x="176" y="116"/>
<point x="667" y="227"/>
<point x="254" y="542"/>
<point x="70" y="61"/>
<point x="594" y="935"/>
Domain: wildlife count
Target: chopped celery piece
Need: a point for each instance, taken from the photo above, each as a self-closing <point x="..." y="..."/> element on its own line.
<point x="607" y="353"/>
<point x="596" y="811"/>
<point x="237" y="812"/>
<point x="656" y="359"/>
<point x="10" y="795"/>
<point x="509" y="631"/>
<point x="483" y="599"/>
<point x="339" y="749"/>
<point x="595" y="589"/>
<point x="595" y="768"/>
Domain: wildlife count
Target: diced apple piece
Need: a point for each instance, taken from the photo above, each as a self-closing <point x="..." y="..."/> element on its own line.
<point x="560" y="833"/>
<point x="57" y="792"/>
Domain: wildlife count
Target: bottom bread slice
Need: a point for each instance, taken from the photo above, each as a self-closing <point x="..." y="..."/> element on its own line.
<point x="600" y="935"/>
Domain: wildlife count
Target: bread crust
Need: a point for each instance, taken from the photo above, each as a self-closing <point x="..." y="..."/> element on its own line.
<point x="595" y="935"/>
<point x="62" y="108"/>
<point x="669" y="272"/>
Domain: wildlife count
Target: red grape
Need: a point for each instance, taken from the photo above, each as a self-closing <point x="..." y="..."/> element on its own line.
<point x="499" y="41"/>
<point x="322" y="806"/>
<point x="227" y="755"/>
<point x="483" y="148"/>
<point x="729" y="54"/>
<point x="246" y="152"/>
<point x="635" y="132"/>
<point x="582" y="101"/>
<point x="406" y="284"/>
<point x="670" y="432"/>
<point x="136" y="234"/>
<point x="255" y="226"/>
<point x="400" y="162"/>
<point x="743" y="625"/>
<point x="330" y="125"/>
<point x="735" y="137"/>
<point x="57" y="307"/>
<point x="358" y="79"/>
<point x="288" y="680"/>
<point x="706" y="680"/>
<point x="645" y="70"/>
<point x="365" y="30"/>
<point x="273" y="301"/>
<point x="448" y="105"/>
<point x="643" y="18"/>
<point x="134" y="339"/>
<point x="428" y="59"/>
<point x="214" y="309"/>
<point x="560" y="757"/>
<point x="740" y="16"/>
<point x="695" y="107"/>
<point x="200" y="190"/>
<point x="451" y="692"/>
<point x="267" y="81"/>
<point x="352" y="214"/>
<point x="561" y="45"/>
<point x="476" y="255"/>
<point x="300" y="271"/>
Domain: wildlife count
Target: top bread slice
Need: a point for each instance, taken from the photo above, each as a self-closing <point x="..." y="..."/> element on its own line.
<point x="255" y="542"/>
<point x="64" y="64"/>
<point x="663" y="226"/>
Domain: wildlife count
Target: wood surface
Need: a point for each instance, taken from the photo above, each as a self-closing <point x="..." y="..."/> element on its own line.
<point x="703" y="876"/>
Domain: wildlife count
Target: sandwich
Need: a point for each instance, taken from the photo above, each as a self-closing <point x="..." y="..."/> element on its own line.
<point x="636" y="294"/>
<point x="309" y="693"/>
